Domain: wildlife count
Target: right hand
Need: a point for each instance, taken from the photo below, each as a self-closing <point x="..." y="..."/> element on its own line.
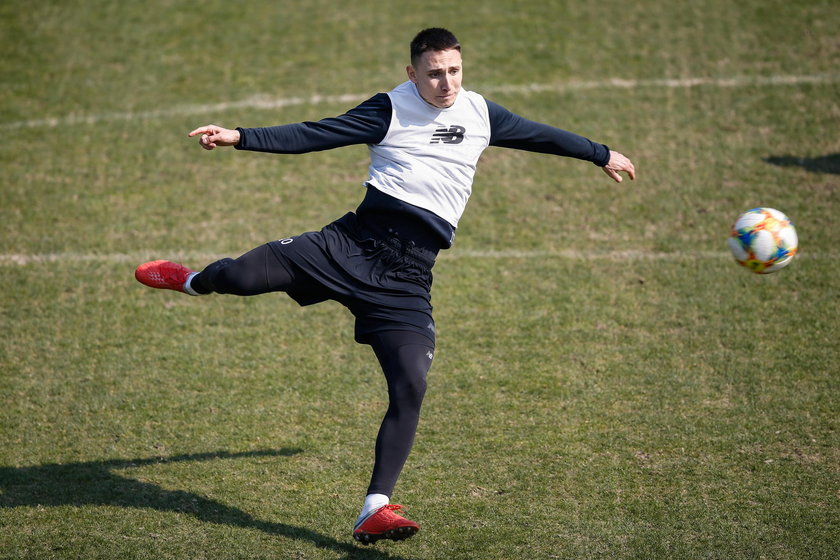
<point x="212" y="136"/>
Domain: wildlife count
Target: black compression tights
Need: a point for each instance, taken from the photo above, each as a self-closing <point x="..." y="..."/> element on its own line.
<point x="405" y="357"/>
<point x="256" y="272"/>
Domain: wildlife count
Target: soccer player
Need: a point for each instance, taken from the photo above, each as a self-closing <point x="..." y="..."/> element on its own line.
<point x="424" y="137"/>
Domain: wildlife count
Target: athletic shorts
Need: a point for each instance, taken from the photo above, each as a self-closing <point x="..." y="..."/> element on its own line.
<point x="384" y="281"/>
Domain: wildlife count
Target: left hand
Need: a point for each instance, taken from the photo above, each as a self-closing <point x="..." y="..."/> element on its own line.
<point x="619" y="162"/>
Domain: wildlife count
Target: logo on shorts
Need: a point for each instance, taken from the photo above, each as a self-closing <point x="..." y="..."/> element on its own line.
<point x="430" y="355"/>
<point x="449" y="135"/>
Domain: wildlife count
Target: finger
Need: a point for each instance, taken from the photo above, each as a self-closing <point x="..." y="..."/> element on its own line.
<point x="207" y="129"/>
<point x="613" y="174"/>
<point x="206" y="143"/>
<point x="630" y="169"/>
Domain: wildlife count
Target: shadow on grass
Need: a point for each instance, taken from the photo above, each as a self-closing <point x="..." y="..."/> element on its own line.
<point x="95" y="483"/>
<point x="823" y="164"/>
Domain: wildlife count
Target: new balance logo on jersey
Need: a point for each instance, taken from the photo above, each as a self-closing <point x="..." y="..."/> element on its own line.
<point x="452" y="135"/>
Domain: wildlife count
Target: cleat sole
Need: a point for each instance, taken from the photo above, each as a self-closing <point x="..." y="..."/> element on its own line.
<point x="398" y="534"/>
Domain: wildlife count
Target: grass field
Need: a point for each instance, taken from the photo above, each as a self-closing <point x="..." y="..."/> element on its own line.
<point x="608" y="382"/>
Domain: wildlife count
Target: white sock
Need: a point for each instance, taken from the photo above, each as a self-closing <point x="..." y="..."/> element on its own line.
<point x="188" y="287"/>
<point x="372" y="503"/>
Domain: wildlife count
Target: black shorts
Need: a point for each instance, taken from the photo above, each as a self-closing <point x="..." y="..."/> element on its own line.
<point x="385" y="282"/>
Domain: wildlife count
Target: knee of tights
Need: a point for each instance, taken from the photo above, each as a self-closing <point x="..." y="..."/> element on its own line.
<point x="213" y="276"/>
<point x="234" y="277"/>
<point x="408" y="390"/>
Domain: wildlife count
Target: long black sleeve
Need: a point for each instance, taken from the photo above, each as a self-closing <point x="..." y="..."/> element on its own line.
<point x="365" y="124"/>
<point x="509" y="130"/>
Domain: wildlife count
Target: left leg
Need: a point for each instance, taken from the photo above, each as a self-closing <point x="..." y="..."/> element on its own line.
<point x="405" y="357"/>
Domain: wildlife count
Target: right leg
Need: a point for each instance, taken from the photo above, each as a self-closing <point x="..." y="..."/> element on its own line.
<point x="256" y="272"/>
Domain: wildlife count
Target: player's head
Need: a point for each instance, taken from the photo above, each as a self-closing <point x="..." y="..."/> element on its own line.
<point x="436" y="66"/>
<point x="432" y="39"/>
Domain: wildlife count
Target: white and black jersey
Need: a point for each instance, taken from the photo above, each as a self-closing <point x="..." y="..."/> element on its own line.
<point x="422" y="158"/>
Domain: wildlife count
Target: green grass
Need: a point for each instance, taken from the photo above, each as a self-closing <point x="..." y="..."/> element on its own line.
<point x="608" y="383"/>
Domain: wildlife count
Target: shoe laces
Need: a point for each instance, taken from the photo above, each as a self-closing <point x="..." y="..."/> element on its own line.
<point x="392" y="508"/>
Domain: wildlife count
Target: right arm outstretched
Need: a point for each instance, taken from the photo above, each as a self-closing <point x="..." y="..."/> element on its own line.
<point x="365" y="124"/>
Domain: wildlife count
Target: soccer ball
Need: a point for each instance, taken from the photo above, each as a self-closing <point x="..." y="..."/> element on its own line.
<point x="763" y="240"/>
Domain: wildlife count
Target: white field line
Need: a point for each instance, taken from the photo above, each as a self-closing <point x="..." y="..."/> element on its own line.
<point x="267" y="102"/>
<point x="197" y="258"/>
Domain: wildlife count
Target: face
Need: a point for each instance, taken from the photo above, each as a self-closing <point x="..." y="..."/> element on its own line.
<point x="438" y="77"/>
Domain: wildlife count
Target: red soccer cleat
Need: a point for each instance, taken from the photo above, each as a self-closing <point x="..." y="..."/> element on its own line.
<point x="165" y="275"/>
<point x="383" y="523"/>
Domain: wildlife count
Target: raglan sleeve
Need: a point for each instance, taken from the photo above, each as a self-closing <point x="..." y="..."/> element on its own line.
<point x="366" y="123"/>
<point x="509" y="130"/>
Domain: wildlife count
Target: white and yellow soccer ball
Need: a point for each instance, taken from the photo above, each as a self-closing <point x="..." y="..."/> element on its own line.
<point x="763" y="240"/>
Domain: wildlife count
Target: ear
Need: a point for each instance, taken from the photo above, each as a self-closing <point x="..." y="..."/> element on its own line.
<point x="412" y="75"/>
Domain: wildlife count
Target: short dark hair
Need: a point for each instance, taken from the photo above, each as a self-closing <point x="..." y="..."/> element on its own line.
<point x="432" y="39"/>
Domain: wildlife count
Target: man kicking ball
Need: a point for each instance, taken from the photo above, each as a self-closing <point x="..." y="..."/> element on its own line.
<point x="425" y="137"/>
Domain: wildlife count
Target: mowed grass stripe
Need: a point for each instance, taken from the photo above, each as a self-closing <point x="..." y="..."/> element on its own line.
<point x="267" y="102"/>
